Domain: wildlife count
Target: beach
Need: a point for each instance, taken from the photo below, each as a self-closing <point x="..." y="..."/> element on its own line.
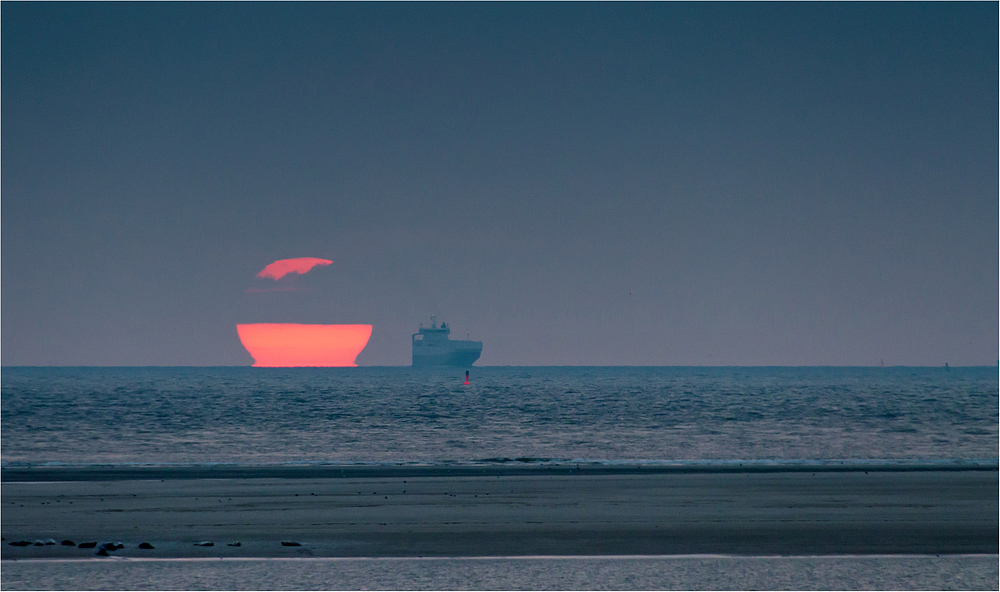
<point x="651" y="572"/>
<point x="495" y="512"/>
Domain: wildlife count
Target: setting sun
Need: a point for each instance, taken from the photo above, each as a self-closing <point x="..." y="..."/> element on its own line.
<point x="283" y="267"/>
<point x="295" y="345"/>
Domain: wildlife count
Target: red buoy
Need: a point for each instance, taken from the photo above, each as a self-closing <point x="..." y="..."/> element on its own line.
<point x="466" y="377"/>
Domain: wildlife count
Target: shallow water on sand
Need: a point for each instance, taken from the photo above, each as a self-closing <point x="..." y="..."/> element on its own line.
<point x="260" y="416"/>
<point x="901" y="572"/>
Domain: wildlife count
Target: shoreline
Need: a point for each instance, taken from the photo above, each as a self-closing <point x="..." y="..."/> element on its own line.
<point x="474" y="558"/>
<point x="107" y="472"/>
<point x="541" y="513"/>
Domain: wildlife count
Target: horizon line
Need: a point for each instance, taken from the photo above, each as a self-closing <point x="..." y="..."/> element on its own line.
<point x="948" y="366"/>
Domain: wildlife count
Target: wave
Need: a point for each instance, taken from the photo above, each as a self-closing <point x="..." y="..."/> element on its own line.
<point x="569" y="463"/>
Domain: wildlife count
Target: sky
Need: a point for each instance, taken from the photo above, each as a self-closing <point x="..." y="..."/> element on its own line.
<point x="571" y="184"/>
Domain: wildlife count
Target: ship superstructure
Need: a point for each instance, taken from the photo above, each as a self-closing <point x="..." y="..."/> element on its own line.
<point x="432" y="347"/>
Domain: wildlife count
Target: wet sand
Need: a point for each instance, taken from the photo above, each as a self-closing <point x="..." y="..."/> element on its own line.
<point x="691" y="572"/>
<point x="416" y="512"/>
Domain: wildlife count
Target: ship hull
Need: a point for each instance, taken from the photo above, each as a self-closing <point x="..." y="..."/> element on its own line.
<point x="462" y="354"/>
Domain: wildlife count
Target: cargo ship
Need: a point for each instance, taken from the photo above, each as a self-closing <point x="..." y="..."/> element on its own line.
<point x="431" y="347"/>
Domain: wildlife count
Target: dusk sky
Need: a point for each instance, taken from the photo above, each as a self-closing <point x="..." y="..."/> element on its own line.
<point x="582" y="184"/>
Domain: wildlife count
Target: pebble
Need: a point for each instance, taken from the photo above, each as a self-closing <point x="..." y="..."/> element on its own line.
<point x="205" y="544"/>
<point x="68" y="543"/>
<point x="236" y="544"/>
<point x="290" y="544"/>
<point x="89" y="545"/>
<point x="49" y="541"/>
<point x="146" y="546"/>
<point x="19" y="543"/>
<point x="102" y="552"/>
<point x="39" y="543"/>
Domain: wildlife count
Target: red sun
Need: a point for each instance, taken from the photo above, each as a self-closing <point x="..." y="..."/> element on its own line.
<point x="292" y="345"/>
<point x="283" y="267"/>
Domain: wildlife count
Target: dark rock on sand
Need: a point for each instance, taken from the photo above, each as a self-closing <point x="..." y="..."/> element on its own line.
<point x="89" y="545"/>
<point x="236" y="544"/>
<point x="205" y="544"/>
<point x="113" y="546"/>
<point x="290" y="544"/>
<point x="39" y="543"/>
<point x="102" y="552"/>
<point x="19" y="543"/>
<point x="146" y="546"/>
<point x="68" y="543"/>
<point x="49" y="541"/>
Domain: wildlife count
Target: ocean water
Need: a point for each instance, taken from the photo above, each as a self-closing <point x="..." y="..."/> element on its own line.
<point x="86" y="416"/>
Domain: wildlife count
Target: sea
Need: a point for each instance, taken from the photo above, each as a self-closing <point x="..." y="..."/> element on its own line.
<point x="522" y="415"/>
<point x="505" y="416"/>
